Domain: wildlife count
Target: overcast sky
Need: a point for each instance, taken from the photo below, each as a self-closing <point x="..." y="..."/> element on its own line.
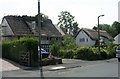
<point x="85" y="11"/>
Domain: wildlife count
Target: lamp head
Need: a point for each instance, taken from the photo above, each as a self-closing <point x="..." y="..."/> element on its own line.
<point x="102" y="15"/>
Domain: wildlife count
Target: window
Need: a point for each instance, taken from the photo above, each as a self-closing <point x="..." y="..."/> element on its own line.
<point x="87" y="39"/>
<point x="82" y="39"/>
<point x="33" y="25"/>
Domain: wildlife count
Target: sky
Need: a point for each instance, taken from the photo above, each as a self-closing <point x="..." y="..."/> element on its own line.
<point x="85" y="11"/>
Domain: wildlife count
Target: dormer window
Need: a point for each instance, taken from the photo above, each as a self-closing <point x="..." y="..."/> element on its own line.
<point x="33" y="25"/>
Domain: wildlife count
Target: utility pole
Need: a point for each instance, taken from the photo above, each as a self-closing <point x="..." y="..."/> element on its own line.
<point x="39" y="43"/>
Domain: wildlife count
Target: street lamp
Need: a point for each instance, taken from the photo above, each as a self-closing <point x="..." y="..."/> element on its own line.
<point x="39" y="43"/>
<point x="99" y="33"/>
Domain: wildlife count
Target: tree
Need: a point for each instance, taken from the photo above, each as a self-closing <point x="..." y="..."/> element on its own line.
<point x="68" y="42"/>
<point x="116" y="27"/>
<point x="66" y="20"/>
<point x="107" y="28"/>
<point x="75" y="28"/>
<point x="113" y="29"/>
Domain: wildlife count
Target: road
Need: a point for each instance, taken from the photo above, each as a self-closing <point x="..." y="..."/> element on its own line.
<point x="103" y="68"/>
<point x="98" y="70"/>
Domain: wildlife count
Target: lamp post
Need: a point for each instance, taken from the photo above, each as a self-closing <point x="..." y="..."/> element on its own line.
<point x="39" y="43"/>
<point x="99" y="33"/>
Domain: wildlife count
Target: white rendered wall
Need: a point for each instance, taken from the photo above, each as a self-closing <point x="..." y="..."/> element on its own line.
<point x="82" y="34"/>
<point x="6" y="30"/>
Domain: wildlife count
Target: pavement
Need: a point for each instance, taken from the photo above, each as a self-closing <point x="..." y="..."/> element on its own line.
<point x="8" y="65"/>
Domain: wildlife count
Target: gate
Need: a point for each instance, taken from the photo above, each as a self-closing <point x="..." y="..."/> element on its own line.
<point x="24" y="58"/>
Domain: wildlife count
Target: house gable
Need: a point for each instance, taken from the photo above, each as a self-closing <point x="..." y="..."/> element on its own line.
<point x="6" y="29"/>
<point x="117" y="39"/>
<point x="18" y="25"/>
<point x="93" y="37"/>
<point x="83" y="39"/>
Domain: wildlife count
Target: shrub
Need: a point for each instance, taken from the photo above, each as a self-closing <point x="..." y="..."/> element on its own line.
<point x="66" y="54"/>
<point x="47" y="61"/>
<point x="104" y="54"/>
<point x="13" y="49"/>
<point x="61" y="53"/>
<point x="5" y="49"/>
<point x="69" y="54"/>
<point x="85" y="53"/>
<point x="111" y="48"/>
<point x="55" y="48"/>
<point x="68" y="42"/>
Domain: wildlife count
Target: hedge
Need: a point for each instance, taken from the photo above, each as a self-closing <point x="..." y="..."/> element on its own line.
<point x="87" y="53"/>
<point x="69" y="54"/>
<point x="12" y="49"/>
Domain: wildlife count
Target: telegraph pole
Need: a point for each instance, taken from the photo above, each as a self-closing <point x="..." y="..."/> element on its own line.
<point x="39" y="43"/>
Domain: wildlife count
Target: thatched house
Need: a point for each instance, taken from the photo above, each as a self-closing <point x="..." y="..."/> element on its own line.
<point x="21" y="26"/>
<point x="89" y="37"/>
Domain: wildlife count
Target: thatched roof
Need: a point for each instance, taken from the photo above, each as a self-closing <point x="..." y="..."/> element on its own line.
<point x="22" y="25"/>
<point x="93" y="34"/>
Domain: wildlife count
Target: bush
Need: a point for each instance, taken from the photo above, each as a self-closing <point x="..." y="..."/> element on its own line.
<point x="5" y="49"/>
<point x="55" y="48"/>
<point x="68" y="42"/>
<point x="88" y="53"/>
<point x="84" y="53"/>
<point x="13" y="49"/>
<point x="104" y="54"/>
<point x="66" y="54"/>
<point x="111" y="48"/>
<point x="61" y="53"/>
<point x="69" y="54"/>
<point x="47" y="61"/>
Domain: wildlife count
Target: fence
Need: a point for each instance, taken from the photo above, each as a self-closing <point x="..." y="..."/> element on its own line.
<point x="46" y="47"/>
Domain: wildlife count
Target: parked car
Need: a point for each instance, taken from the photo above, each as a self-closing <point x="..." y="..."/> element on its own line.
<point x="44" y="53"/>
<point x="118" y="53"/>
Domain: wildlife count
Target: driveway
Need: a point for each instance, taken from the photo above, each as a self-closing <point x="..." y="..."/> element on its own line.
<point x="8" y="65"/>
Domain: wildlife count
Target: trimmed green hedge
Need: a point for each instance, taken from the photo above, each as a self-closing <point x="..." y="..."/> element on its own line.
<point x="85" y="53"/>
<point x="69" y="54"/>
<point x="88" y="53"/>
<point x="12" y="49"/>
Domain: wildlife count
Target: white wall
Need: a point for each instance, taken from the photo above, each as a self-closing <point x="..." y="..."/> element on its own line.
<point x="6" y="30"/>
<point x="82" y="34"/>
<point x="117" y="39"/>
